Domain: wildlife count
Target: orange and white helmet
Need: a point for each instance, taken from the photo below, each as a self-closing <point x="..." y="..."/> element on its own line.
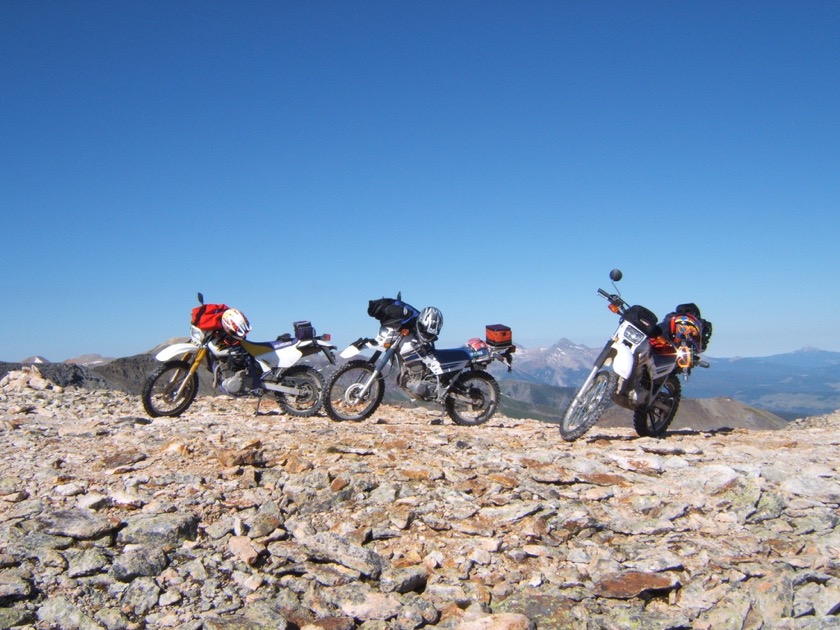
<point x="235" y="323"/>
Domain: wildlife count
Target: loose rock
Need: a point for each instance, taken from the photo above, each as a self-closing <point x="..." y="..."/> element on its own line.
<point x="226" y="519"/>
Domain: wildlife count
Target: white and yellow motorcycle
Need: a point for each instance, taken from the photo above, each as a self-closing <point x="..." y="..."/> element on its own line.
<point x="239" y="367"/>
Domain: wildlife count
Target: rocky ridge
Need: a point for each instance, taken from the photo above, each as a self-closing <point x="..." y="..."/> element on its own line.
<point x="227" y="519"/>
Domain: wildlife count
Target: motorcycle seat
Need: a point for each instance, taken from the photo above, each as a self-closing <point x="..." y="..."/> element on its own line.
<point x="452" y="355"/>
<point x="256" y="348"/>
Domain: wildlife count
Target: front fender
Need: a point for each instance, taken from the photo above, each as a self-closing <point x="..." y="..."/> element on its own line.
<point x="356" y="347"/>
<point x="349" y="352"/>
<point x="622" y="361"/>
<point x="176" y="351"/>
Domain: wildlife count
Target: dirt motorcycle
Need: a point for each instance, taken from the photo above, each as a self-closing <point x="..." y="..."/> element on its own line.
<point x="455" y="378"/>
<point x="638" y="368"/>
<point x="239" y="367"/>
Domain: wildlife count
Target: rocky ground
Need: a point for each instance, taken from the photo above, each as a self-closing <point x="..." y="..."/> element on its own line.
<point x="227" y="519"/>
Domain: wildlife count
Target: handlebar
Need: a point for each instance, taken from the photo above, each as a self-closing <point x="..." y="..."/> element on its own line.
<point x="614" y="299"/>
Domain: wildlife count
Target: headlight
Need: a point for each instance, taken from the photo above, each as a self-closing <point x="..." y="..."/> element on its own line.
<point x="634" y="335"/>
<point x="387" y="336"/>
<point x="196" y="334"/>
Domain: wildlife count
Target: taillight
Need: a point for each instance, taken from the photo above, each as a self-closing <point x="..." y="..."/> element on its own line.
<point x="327" y="336"/>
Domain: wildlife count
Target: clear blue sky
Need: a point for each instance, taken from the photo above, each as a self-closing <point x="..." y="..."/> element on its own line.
<point x="495" y="159"/>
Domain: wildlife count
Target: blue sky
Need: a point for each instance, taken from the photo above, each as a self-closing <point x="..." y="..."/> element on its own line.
<point x="494" y="159"/>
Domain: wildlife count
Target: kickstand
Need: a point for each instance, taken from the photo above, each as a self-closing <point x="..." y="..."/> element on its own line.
<point x="257" y="410"/>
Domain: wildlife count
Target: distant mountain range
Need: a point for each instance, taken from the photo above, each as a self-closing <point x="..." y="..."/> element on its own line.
<point x="792" y="385"/>
<point x="800" y="383"/>
<point x="543" y="380"/>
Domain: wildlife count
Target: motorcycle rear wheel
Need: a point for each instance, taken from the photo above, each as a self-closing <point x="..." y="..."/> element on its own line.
<point x="591" y="405"/>
<point x="654" y="420"/>
<point x="161" y="388"/>
<point x="341" y="402"/>
<point x="310" y="382"/>
<point x="473" y="399"/>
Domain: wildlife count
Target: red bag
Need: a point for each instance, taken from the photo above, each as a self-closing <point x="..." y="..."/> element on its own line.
<point x="208" y="316"/>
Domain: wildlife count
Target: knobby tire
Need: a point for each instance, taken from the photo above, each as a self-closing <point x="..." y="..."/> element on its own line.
<point x="307" y="403"/>
<point x="483" y="391"/>
<point x="162" y="384"/>
<point x="588" y="407"/>
<point x="351" y="376"/>
<point x="654" y="420"/>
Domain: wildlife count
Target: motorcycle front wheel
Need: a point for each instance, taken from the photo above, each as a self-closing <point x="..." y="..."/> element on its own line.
<point x="590" y="406"/>
<point x="654" y="420"/>
<point x="311" y="385"/>
<point x="161" y="395"/>
<point x="473" y="399"/>
<point x="344" y="400"/>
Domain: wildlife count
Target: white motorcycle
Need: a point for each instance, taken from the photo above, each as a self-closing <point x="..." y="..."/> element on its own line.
<point x="455" y="378"/>
<point x="638" y="368"/>
<point x="239" y="367"/>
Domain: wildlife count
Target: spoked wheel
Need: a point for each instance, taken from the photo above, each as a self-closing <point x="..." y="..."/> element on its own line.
<point x="588" y="406"/>
<point x="163" y="394"/>
<point x="473" y="399"/>
<point x="311" y="385"/>
<point x="654" y="420"/>
<point x="344" y="399"/>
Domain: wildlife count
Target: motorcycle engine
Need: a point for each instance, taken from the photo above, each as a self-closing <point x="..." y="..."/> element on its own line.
<point x="234" y="375"/>
<point x="418" y="382"/>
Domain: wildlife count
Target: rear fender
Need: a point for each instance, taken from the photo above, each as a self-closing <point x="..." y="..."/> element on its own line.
<point x="314" y="346"/>
<point x="328" y="350"/>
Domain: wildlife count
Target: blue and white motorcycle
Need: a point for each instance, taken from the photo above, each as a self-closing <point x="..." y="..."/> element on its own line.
<point x="455" y="378"/>
<point x="638" y="368"/>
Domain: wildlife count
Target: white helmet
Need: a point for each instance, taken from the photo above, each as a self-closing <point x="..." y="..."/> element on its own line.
<point x="429" y="324"/>
<point x="235" y="323"/>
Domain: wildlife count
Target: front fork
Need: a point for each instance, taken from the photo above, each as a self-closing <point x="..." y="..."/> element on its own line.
<point x="199" y="357"/>
<point x="599" y="363"/>
<point x="378" y="366"/>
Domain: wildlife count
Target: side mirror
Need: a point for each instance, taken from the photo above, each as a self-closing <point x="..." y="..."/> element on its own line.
<point x="200" y="297"/>
<point x="615" y="275"/>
